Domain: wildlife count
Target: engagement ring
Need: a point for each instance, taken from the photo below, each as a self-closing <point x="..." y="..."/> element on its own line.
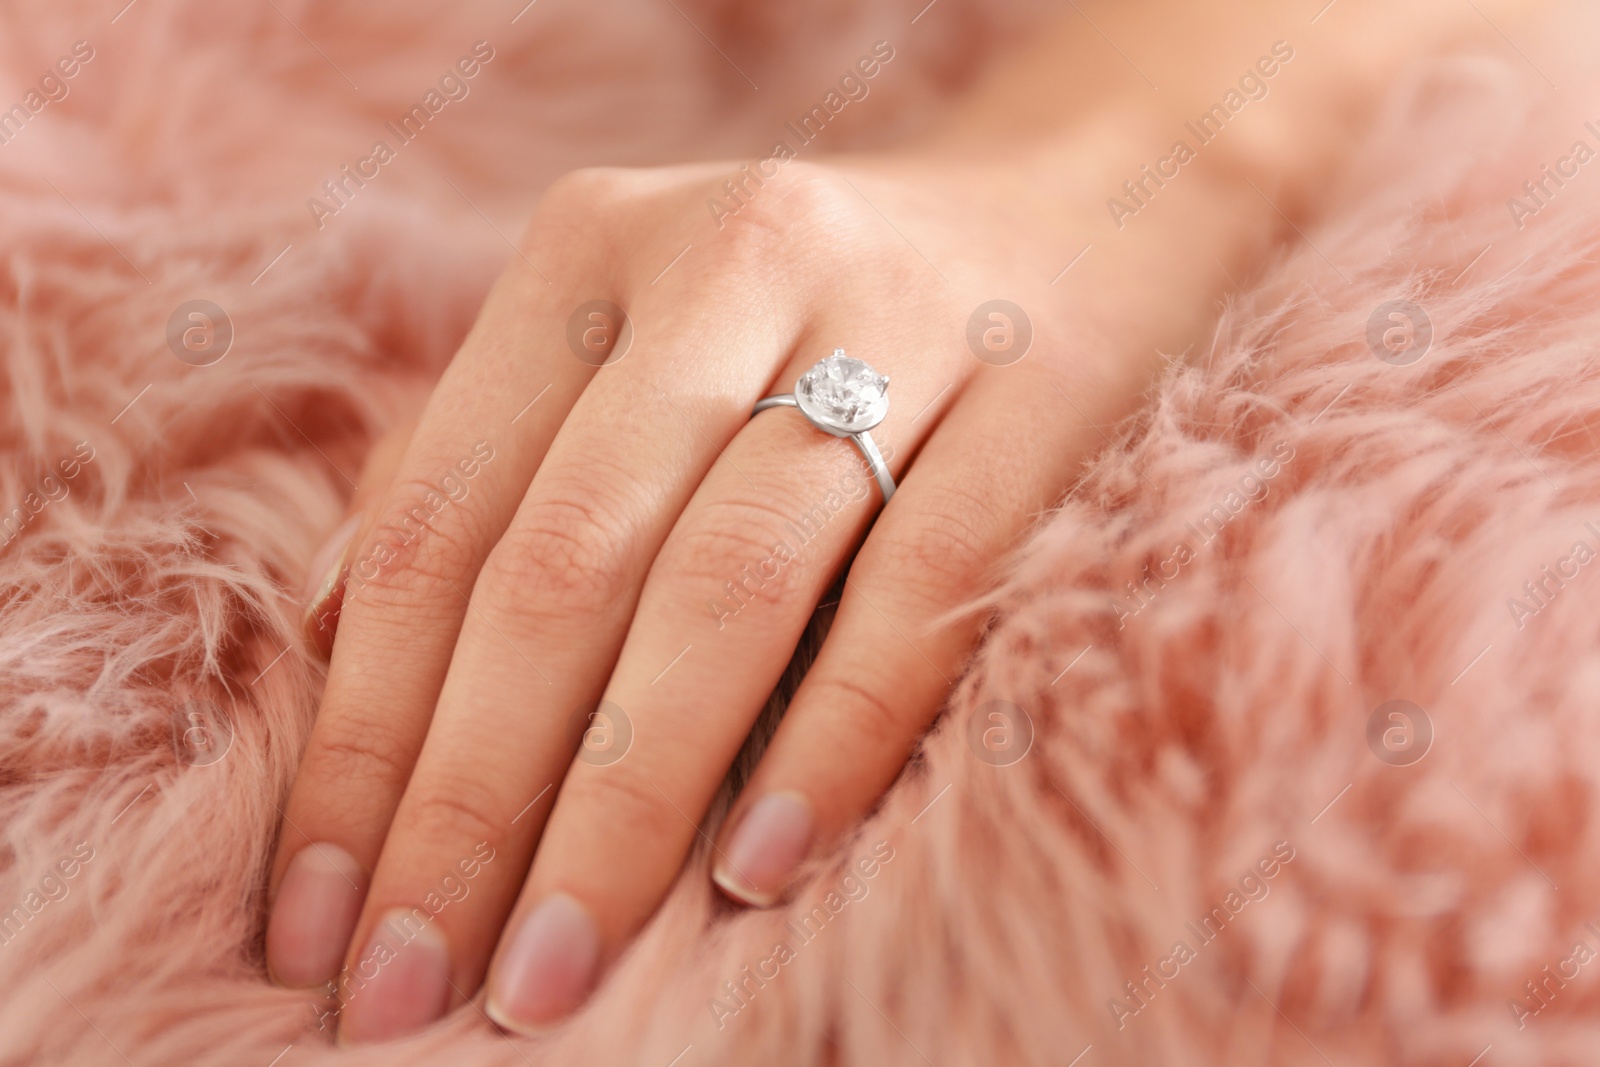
<point x="846" y="398"/>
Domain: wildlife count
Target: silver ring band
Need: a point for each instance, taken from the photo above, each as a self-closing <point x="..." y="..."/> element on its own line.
<point x="843" y="397"/>
<point x="863" y="440"/>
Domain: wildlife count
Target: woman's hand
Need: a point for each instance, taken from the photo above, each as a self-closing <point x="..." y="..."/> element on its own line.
<point x="589" y="528"/>
<point x="635" y="543"/>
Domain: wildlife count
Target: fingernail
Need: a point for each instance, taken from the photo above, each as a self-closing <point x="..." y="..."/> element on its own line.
<point x="323" y="583"/>
<point x="548" y="968"/>
<point x="400" y="983"/>
<point x="318" y="904"/>
<point x="323" y="573"/>
<point x="768" y="844"/>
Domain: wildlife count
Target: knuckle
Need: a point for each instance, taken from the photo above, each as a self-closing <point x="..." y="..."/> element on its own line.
<point x="419" y="553"/>
<point x="740" y="541"/>
<point x="749" y="241"/>
<point x="939" y="552"/>
<point x="462" y="809"/>
<point x="362" y="753"/>
<point x="567" y="553"/>
<point x="628" y="799"/>
<point x="802" y="203"/>
<point x="580" y="198"/>
<point x="805" y="194"/>
<point x="593" y="186"/>
<point x="879" y="722"/>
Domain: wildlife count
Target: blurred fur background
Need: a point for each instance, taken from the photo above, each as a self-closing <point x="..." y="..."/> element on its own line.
<point x="1167" y="753"/>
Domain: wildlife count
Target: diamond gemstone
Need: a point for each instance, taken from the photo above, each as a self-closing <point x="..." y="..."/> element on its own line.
<point x="843" y="395"/>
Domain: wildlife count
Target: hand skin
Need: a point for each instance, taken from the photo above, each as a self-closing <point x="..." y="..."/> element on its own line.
<point x="577" y="561"/>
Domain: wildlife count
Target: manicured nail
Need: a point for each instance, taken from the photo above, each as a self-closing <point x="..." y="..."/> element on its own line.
<point x="548" y="967"/>
<point x="318" y="904"/>
<point x="400" y="983"/>
<point x="324" y="585"/>
<point x="770" y="841"/>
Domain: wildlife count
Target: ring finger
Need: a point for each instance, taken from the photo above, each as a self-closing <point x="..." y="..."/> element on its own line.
<point x="718" y="618"/>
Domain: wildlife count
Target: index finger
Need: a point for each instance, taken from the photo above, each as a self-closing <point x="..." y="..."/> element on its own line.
<point x="458" y="485"/>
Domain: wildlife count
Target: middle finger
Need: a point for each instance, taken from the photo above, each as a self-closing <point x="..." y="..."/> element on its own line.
<point x="546" y="618"/>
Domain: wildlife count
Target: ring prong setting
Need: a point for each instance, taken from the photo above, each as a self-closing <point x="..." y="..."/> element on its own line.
<point x="843" y="396"/>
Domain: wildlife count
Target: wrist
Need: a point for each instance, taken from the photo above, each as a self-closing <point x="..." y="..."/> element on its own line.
<point x="1172" y="192"/>
<point x="1255" y="93"/>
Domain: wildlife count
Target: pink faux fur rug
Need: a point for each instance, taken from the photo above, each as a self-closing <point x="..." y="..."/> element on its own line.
<point x="1200" y="830"/>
